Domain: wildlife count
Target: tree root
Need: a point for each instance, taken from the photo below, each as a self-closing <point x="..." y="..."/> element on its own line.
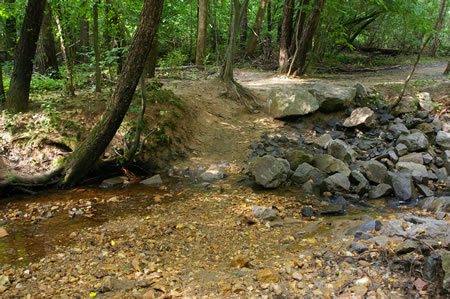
<point x="236" y="91"/>
<point x="44" y="179"/>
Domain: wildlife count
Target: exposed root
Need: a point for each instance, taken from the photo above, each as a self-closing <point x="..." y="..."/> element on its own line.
<point x="44" y="179"/>
<point x="236" y="91"/>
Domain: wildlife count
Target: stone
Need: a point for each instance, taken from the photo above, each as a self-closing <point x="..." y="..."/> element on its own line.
<point x="333" y="97"/>
<point x="332" y="210"/>
<point x="412" y="157"/>
<point x="306" y="172"/>
<point x="112" y="182"/>
<point x="425" y="101"/>
<point x="266" y="276"/>
<point x="269" y="172"/>
<point x="154" y="181"/>
<point x="323" y="140"/>
<point x="240" y="261"/>
<point x="112" y="284"/>
<point x="371" y="225"/>
<point x="361" y="90"/>
<point x="446" y="160"/>
<point x="341" y="150"/>
<point x="445" y="261"/>
<point x="424" y="190"/>
<point x="406" y="105"/>
<point x="398" y="129"/>
<point x="440" y="204"/>
<point x="330" y="164"/>
<point x="291" y="102"/>
<point x="401" y="149"/>
<point x="309" y="187"/>
<point x="415" y="142"/>
<point x="443" y="140"/>
<point x="427" y="159"/>
<point x="266" y="214"/>
<point x="409" y="167"/>
<point x="380" y="190"/>
<point x="3" y="233"/>
<point x="335" y="182"/>
<point x="363" y="184"/>
<point x="425" y="128"/>
<point x="358" y="247"/>
<point x="393" y="156"/>
<point x="307" y="212"/>
<point x="403" y="187"/>
<point x="375" y="171"/>
<point x="360" y="117"/>
<point x="212" y="174"/>
<point x="297" y="157"/>
<point x="431" y="267"/>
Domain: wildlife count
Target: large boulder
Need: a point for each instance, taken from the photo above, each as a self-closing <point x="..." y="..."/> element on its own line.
<point x="443" y="140"/>
<point x="333" y="97"/>
<point x="415" y="142"/>
<point x="406" y="105"/>
<point x="330" y="164"/>
<point x="269" y="172"/>
<point x="336" y="182"/>
<point x="362" y="184"/>
<point x="297" y="157"/>
<point x="291" y="102"/>
<point x="306" y="172"/>
<point x="403" y="186"/>
<point x="375" y="171"/>
<point x="412" y="157"/>
<point x="360" y="117"/>
<point x="341" y="150"/>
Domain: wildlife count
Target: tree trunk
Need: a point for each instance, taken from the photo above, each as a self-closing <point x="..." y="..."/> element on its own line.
<point x="2" y="89"/>
<point x="269" y="28"/>
<point x="438" y="27"/>
<point x="47" y="39"/>
<point x="84" y="38"/>
<point x="98" y="71"/>
<point x="298" y="29"/>
<point x="254" y="35"/>
<point x="298" y="63"/>
<point x="200" y="52"/>
<point x="286" y="34"/>
<point x="447" y="69"/>
<point x="152" y="59"/>
<point x="10" y="28"/>
<point x="19" y="88"/>
<point x="95" y="144"/>
<point x="244" y="26"/>
<point x="67" y="61"/>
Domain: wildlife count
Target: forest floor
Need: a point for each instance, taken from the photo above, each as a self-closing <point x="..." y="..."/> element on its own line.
<point x="191" y="239"/>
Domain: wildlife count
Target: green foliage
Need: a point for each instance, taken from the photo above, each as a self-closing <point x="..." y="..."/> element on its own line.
<point x="165" y="96"/>
<point x="45" y="83"/>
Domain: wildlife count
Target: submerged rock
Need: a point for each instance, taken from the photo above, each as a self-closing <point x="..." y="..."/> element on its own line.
<point x="154" y="181"/>
<point x="112" y="182"/>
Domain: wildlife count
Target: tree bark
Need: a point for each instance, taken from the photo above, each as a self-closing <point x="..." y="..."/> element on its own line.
<point x="269" y="28"/>
<point x="244" y="26"/>
<point x="10" y="29"/>
<point x="19" y="88"/>
<point x="152" y="59"/>
<point x="2" y="89"/>
<point x="298" y="63"/>
<point x="47" y="39"/>
<point x="435" y="44"/>
<point x="447" y="69"/>
<point x="254" y="35"/>
<point x="98" y="71"/>
<point x="95" y="144"/>
<point x="200" y="52"/>
<point x="67" y="61"/>
<point x="286" y="35"/>
<point x="298" y="28"/>
<point x="84" y="37"/>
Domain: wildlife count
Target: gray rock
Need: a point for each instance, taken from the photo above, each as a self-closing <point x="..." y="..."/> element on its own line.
<point x="323" y="140"/>
<point x="112" y="182"/>
<point x="375" y="171"/>
<point x="410" y="167"/>
<point x="403" y="186"/>
<point x="336" y="182"/>
<point x="415" y="141"/>
<point x="361" y="90"/>
<point x="365" y="227"/>
<point x="269" y="172"/>
<point x="291" y="102"/>
<point x="307" y="212"/>
<point x="427" y="159"/>
<point x="446" y="160"/>
<point x="398" y="129"/>
<point x="332" y="210"/>
<point x="445" y="261"/>
<point x="380" y="190"/>
<point x="333" y="97"/>
<point x="266" y="214"/>
<point x="425" y="101"/>
<point x="358" y="247"/>
<point x="401" y="149"/>
<point x="393" y="156"/>
<point x="360" y="117"/>
<point x="425" y="128"/>
<point x="297" y="157"/>
<point x="363" y="184"/>
<point x="428" y="228"/>
<point x="440" y="204"/>
<point x="306" y="172"/>
<point x="212" y="174"/>
<point x="424" y="190"/>
<point x="154" y="181"/>
<point x="406" y="105"/>
<point x="308" y="188"/>
<point x="412" y="157"/>
<point x="443" y="140"/>
<point x="330" y="165"/>
<point x="341" y="150"/>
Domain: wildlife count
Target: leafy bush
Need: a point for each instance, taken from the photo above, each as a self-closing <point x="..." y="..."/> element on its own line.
<point x="43" y="83"/>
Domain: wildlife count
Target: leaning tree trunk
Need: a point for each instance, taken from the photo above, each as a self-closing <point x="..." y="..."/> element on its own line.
<point x="19" y="88"/>
<point x="95" y="144"/>
<point x="298" y="63"/>
<point x="447" y="69"/>
<point x="286" y="34"/>
<point x="200" y="51"/>
<point x="254" y="35"/>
